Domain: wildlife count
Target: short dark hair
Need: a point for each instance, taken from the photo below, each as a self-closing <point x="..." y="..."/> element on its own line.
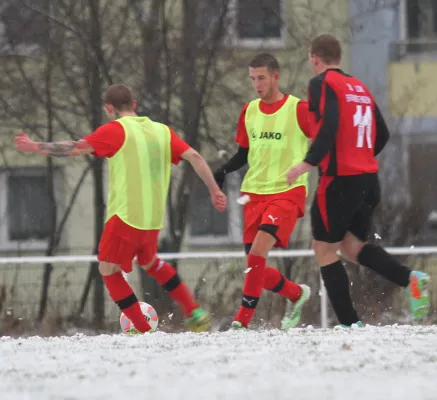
<point x="265" y="60"/>
<point x="328" y="48"/>
<point x="119" y="96"/>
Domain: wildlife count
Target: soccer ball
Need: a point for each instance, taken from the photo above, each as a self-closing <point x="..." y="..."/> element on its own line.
<point x="148" y="311"/>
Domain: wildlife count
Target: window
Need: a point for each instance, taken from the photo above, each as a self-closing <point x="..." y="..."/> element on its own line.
<point x="421" y="19"/>
<point x="258" y="19"/>
<point x="418" y="30"/>
<point x="259" y="23"/>
<point x="27" y="209"/>
<point x="212" y="19"/>
<point x="15" y="15"/>
<point x="244" y="23"/>
<point x="210" y="227"/>
<point x="24" y="207"/>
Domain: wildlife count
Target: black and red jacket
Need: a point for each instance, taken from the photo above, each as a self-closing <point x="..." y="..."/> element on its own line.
<point x="347" y="128"/>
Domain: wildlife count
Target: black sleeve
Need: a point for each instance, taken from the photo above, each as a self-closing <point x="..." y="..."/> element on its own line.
<point x="382" y="132"/>
<point x="325" y="139"/>
<point x="237" y="161"/>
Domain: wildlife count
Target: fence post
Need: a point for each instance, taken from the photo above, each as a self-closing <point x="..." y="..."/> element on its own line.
<point x="323" y="305"/>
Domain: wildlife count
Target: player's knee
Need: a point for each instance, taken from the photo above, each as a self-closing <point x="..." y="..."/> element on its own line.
<point x="258" y="250"/>
<point x="318" y="247"/>
<point x="326" y="253"/>
<point x="322" y="248"/>
<point x="247" y="248"/>
<point x="344" y="250"/>
<point x="351" y="247"/>
<point x="107" y="269"/>
<point x="146" y="266"/>
<point x="270" y="229"/>
<point x="264" y="241"/>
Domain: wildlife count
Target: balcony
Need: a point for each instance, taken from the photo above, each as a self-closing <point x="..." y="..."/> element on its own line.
<point x="417" y="49"/>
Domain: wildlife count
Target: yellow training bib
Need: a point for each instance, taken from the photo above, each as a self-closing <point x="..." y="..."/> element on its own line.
<point x="276" y="143"/>
<point x="139" y="174"/>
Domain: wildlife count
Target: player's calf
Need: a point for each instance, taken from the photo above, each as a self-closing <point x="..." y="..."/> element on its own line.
<point x="383" y="263"/>
<point x="376" y="258"/>
<point x="123" y="295"/>
<point x="337" y="287"/>
<point x="196" y="319"/>
<point x="276" y="282"/>
<point x="253" y="286"/>
<point x="297" y="295"/>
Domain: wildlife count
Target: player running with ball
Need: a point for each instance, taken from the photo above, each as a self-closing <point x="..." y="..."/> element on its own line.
<point x="272" y="137"/>
<point x="140" y="153"/>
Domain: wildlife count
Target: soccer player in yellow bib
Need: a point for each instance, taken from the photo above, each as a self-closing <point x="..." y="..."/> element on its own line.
<point x="140" y="153"/>
<point x="272" y="136"/>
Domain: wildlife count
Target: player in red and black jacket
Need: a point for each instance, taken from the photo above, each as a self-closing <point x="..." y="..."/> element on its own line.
<point x="348" y="132"/>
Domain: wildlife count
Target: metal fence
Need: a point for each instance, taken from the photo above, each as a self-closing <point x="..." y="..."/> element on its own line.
<point x="216" y="278"/>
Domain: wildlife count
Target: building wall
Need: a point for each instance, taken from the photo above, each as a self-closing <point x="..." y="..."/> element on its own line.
<point x="413" y="89"/>
<point x="397" y="68"/>
<point x="372" y="33"/>
<point x="398" y="61"/>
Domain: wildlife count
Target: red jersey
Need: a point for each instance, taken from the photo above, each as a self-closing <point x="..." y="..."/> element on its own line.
<point x="345" y="123"/>
<point x="108" y="139"/>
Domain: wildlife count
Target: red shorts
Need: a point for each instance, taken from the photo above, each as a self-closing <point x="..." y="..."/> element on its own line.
<point x="121" y="243"/>
<point x="281" y="210"/>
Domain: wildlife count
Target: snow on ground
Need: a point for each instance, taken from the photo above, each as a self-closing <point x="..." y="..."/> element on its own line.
<point x="372" y="363"/>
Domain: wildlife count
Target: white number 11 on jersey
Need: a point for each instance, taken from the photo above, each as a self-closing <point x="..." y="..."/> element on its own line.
<point x="364" y="124"/>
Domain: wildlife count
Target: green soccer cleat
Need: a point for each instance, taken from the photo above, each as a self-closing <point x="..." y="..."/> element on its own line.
<point x="293" y="311"/>
<point x="133" y="332"/>
<point x="237" y="326"/>
<point x="357" y="324"/>
<point x="418" y="294"/>
<point x="198" y="321"/>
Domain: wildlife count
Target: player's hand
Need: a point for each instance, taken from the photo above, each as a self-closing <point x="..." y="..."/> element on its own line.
<point x="219" y="177"/>
<point x="24" y="143"/>
<point x="219" y="200"/>
<point x="295" y="172"/>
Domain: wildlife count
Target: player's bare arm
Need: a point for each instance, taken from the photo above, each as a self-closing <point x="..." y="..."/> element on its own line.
<point x="59" y="149"/>
<point x="202" y="169"/>
<point x="65" y="149"/>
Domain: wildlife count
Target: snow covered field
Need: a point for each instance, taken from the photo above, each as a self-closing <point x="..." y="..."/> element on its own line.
<point x="397" y="362"/>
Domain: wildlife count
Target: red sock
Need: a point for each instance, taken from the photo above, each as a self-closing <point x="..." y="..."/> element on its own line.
<point x="169" y="279"/>
<point x="124" y="297"/>
<point x="278" y="283"/>
<point x="253" y="286"/>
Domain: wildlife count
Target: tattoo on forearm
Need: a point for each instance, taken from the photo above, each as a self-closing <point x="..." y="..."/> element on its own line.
<point x="61" y="149"/>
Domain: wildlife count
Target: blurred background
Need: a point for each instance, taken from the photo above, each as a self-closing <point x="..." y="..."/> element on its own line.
<point x="186" y="62"/>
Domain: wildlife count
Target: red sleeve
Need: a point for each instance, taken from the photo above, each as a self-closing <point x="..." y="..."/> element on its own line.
<point x="303" y="117"/>
<point x="178" y="146"/>
<point x="107" y="139"/>
<point x="241" y="137"/>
